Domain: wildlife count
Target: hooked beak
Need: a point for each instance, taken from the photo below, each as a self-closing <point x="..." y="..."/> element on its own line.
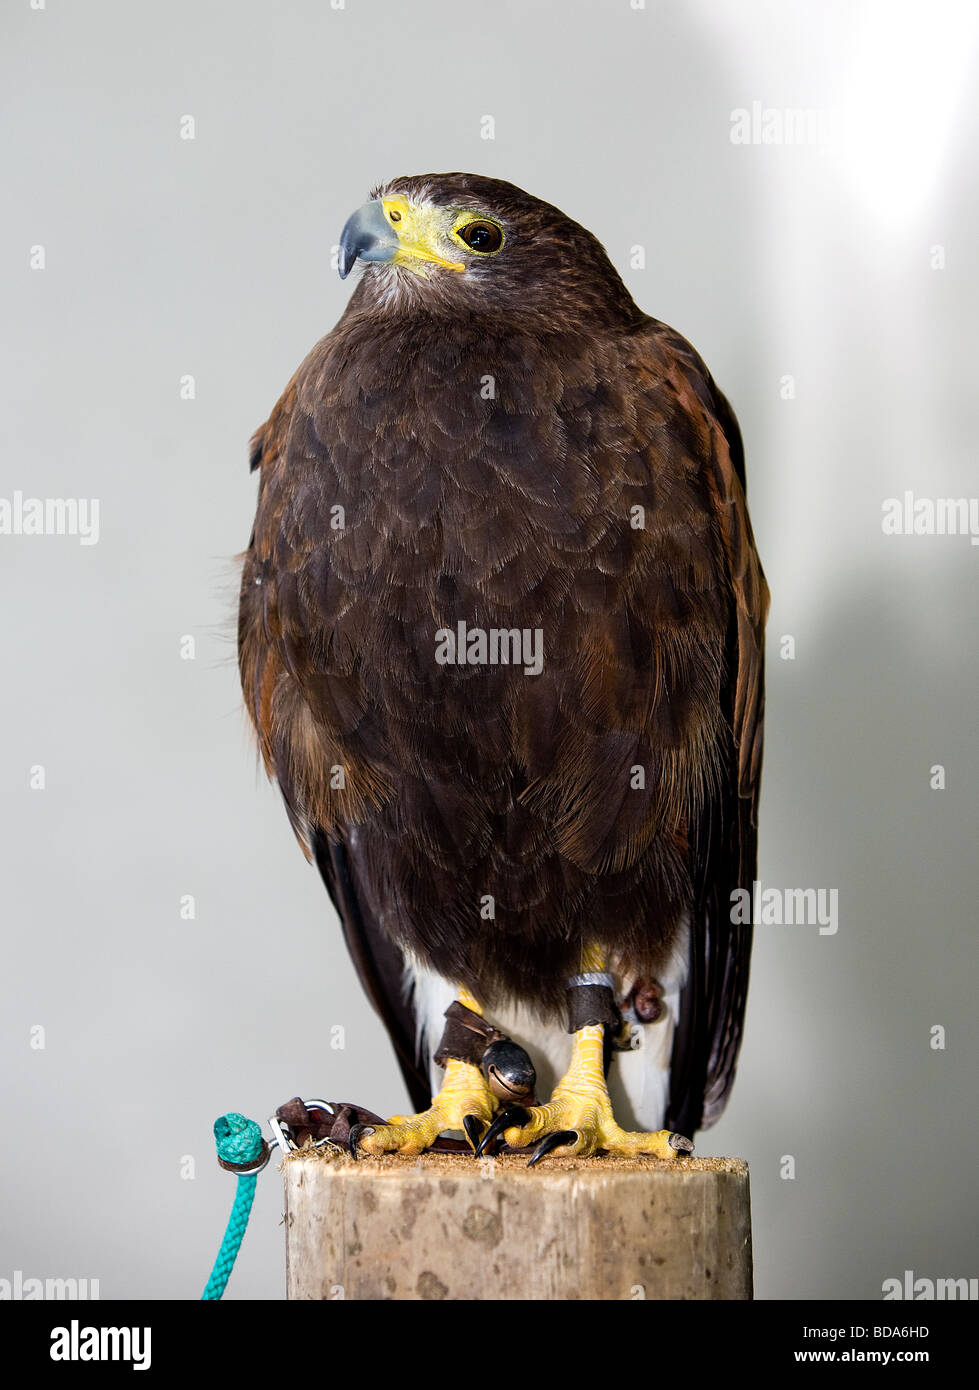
<point x="370" y="236"/>
<point x="367" y="236"/>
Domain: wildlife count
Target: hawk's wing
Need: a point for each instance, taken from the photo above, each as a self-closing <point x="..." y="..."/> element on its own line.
<point x="377" y="960"/>
<point x="724" y="841"/>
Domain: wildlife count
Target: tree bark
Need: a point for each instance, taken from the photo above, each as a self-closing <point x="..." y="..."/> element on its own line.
<point x="453" y="1227"/>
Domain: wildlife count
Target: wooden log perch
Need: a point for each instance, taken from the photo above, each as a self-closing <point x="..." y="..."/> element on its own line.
<point x="448" y="1226"/>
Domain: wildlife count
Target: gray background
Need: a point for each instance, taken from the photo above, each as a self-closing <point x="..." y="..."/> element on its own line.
<point x="212" y="257"/>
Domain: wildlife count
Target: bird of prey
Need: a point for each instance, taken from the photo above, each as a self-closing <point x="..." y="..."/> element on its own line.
<point x="501" y="638"/>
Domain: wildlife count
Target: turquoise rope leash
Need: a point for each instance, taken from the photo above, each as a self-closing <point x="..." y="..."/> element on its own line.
<point x="239" y="1142"/>
<point x="242" y="1150"/>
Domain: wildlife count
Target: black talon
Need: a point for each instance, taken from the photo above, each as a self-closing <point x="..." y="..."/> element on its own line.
<point x="552" y="1141"/>
<point x="353" y="1138"/>
<point x="473" y="1126"/>
<point x="678" y="1142"/>
<point x="511" y="1115"/>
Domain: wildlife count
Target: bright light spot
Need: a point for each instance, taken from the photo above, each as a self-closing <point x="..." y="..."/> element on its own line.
<point x="909" y="69"/>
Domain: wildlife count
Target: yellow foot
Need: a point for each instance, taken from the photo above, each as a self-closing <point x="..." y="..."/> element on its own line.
<point x="581" y="1125"/>
<point x="465" y="1102"/>
<point x="578" y="1118"/>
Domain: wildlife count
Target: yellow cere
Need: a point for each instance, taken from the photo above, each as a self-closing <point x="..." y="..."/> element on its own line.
<point x="420" y="230"/>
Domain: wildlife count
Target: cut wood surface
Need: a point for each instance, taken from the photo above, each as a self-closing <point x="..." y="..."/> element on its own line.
<point x="448" y="1226"/>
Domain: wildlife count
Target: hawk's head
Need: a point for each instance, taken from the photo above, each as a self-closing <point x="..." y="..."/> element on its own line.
<point x="452" y="242"/>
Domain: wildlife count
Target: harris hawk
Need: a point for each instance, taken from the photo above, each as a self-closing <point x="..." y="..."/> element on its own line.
<point x="501" y="639"/>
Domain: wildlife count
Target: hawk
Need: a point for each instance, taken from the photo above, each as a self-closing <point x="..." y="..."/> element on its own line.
<point x="501" y="639"/>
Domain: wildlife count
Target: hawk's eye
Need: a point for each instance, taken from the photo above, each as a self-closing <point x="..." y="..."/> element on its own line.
<point x="485" y="237"/>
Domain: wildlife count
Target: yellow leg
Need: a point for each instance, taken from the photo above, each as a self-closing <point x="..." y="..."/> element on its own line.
<point x="465" y="1102"/>
<point x="468" y="1002"/>
<point x="578" y="1118"/>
